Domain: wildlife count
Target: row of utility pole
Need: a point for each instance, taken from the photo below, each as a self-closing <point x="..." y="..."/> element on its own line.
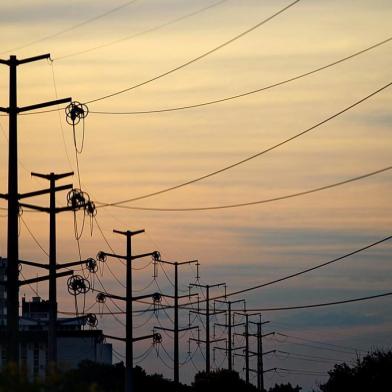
<point x="76" y="202"/>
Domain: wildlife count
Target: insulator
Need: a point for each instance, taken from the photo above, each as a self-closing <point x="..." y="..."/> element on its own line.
<point x="20" y="267"/>
<point x="157" y="298"/>
<point x="101" y="298"/>
<point x="90" y="208"/>
<point x="76" y="199"/>
<point x="101" y="256"/>
<point x="78" y="285"/>
<point x="157" y="338"/>
<point x="92" y="320"/>
<point x="75" y="111"/>
<point x="156" y="256"/>
<point x="20" y="210"/>
<point x="91" y="265"/>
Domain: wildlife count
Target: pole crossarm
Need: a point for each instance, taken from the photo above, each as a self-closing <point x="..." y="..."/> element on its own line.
<point x="205" y="341"/>
<point x="52" y="176"/>
<point x="44" y="104"/>
<point x="44" y="191"/>
<point x="180" y="296"/>
<point x="265" y="353"/>
<point x="34" y="264"/>
<point x="71" y="264"/>
<point x="43" y="278"/>
<point x="178" y="262"/>
<point x="129" y="232"/>
<point x="207" y="285"/>
<point x="205" y="313"/>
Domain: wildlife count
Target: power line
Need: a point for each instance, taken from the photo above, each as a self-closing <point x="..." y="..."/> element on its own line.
<point x="219" y="207"/>
<point x="320" y="304"/>
<point x="198" y="57"/>
<point x="340" y="258"/>
<point x="74" y="27"/>
<point x="354" y="349"/>
<point x="238" y="163"/>
<point x="140" y="33"/>
<point x="268" y="87"/>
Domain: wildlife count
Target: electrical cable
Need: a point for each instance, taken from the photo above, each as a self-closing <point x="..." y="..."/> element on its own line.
<point x="250" y="92"/>
<point x="196" y="58"/>
<point x="68" y="29"/>
<point x="354" y="349"/>
<point x="238" y="163"/>
<point x="140" y="33"/>
<point x="264" y="201"/>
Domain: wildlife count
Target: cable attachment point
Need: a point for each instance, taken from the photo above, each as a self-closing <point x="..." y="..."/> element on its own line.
<point x="76" y="199"/>
<point x="102" y="257"/>
<point x="156" y="338"/>
<point x="156" y="256"/>
<point x="75" y="111"/>
<point x="91" y="320"/>
<point x="101" y="298"/>
<point x="78" y="285"/>
<point x="92" y="265"/>
<point x="90" y="209"/>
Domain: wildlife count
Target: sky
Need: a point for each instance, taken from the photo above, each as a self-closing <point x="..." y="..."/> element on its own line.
<point x="100" y="48"/>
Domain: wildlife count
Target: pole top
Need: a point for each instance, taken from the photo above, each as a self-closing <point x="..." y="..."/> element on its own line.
<point x="129" y="233"/>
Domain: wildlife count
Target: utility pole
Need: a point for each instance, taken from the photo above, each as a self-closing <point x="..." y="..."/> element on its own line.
<point x="52" y="211"/>
<point x="129" y="339"/>
<point x="207" y="314"/>
<point x="229" y="325"/>
<point x="13" y="202"/>
<point x="246" y="334"/>
<point x="260" y="354"/>
<point x="176" y="330"/>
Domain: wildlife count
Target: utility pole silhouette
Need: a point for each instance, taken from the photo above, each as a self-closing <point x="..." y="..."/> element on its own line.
<point x="260" y="354"/>
<point x="129" y="339"/>
<point x="176" y="328"/>
<point x="13" y="201"/>
<point x="229" y="325"/>
<point x="207" y="314"/>
<point x="53" y="266"/>
<point x="246" y="334"/>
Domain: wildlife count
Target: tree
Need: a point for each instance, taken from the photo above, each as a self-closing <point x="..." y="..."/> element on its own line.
<point x="371" y="373"/>
<point x="220" y="380"/>
<point x="284" y="388"/>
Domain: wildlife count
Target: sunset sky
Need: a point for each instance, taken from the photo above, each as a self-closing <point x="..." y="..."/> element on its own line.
<point x="98" y="50"/>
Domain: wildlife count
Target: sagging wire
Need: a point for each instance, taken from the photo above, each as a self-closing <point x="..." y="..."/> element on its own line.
<point x="76" y="112"/>
<point x="146" y="355"/>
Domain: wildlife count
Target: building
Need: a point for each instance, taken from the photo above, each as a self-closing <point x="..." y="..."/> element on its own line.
<point x="75" y="340"/>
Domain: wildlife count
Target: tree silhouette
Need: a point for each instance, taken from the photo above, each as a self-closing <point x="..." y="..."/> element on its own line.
<point x="371" y="373"/>
<point x="284" y="388"/>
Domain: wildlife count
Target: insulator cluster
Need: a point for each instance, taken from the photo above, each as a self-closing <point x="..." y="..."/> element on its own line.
<point x="102" y="257"/>
<point x="91" y="320"/>
<point x="157" y="338"/>
<point x="101" y="298"/>
<point x="77" y="199"/>
<point x="156" y="256"/>
<point x="156" y="298"/>
<point x="92" y="265"/>
<point x="75" y="112"/>
<point x="78" y="285"/>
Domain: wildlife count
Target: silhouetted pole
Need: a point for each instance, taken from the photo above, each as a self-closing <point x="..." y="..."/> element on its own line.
<point x="13" y="206"/>
<point x="229" y="325"/>
<point x="176" y="328"/>
<point x="208" y="314"/>
<point x="52" y="341"/>
<point x="247" y="349"/>
<point x="129" y="339"/>
<point x="260" y="366"/>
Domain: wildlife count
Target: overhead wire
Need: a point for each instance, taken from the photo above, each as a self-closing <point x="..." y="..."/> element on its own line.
<point x="71" y="28"/>
<point x="251" y="157"/>
<point x="195" y="59"/>
<point x="250" y="92"/>
<point x="264" y="201"/>
<point x="140" y="33"/>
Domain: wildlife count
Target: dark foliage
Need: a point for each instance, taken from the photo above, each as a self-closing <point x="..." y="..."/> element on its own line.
<point x="285" y="388"/>
<point x="220" y="380"/>
<point x="372" y="373"/>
